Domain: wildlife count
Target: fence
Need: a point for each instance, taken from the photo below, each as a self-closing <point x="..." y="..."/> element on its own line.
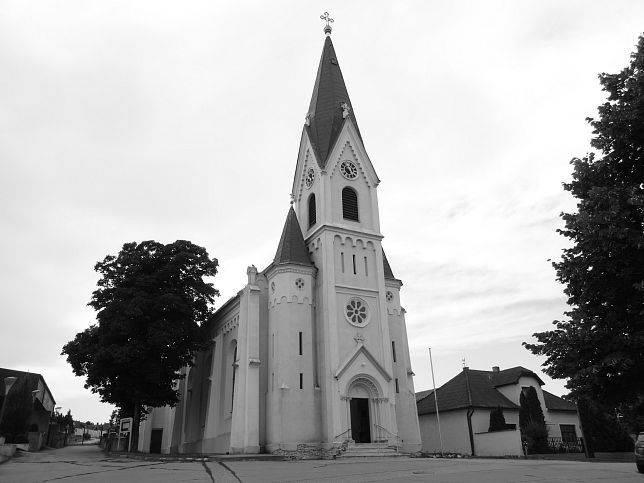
<point x="566" y="445"/>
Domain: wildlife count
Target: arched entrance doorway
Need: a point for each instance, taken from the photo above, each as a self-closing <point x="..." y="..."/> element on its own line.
<point x="363" y="416"/>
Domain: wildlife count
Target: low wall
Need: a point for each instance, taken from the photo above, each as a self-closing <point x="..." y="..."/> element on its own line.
<point x="7" y="450"/>
<point x="498" y="443"/>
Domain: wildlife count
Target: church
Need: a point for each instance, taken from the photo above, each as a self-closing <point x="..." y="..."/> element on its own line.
<point x="312" y="352"/>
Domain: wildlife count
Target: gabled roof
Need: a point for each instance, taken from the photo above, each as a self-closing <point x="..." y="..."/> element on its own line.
<point x="387" y="268"/>
<point x="423" y="394"/>
<point x="292" y="248"/>
<point x="325" y="117"/>
<point x="32" y="378"/>
<point x="469" y="388"/>
<point x="555" y="403"/>
<point x="511" y="376"/>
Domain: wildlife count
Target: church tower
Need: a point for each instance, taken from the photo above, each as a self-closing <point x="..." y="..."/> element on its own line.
<point x="312" y="352"/>
<point x="365" y="388"/>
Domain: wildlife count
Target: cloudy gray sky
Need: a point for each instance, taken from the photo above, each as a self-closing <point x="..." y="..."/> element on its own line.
<point x="132" y="120"/>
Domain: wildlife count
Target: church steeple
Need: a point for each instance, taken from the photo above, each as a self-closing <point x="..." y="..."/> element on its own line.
<point x="330" y="105"/>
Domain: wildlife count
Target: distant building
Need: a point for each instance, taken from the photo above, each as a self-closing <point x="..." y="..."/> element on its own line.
<point x="313" y="350"/>
<point x="465" y="403"/>
<point x="43" y="401"/>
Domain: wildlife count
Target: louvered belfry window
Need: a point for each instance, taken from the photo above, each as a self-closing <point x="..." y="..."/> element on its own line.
<point x="350" y="204"/>
<point x="312" y="219"/>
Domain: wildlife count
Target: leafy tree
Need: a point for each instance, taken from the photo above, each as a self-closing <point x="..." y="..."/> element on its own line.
<point x="602" y="428"/>
<point x="531" y="421"/>
<point x="151" y="301"/>
<point x="497" y="420"/>
<point x="530" y="408"/>
<point x="599" y="348"/>
<point x="16" y="410"/>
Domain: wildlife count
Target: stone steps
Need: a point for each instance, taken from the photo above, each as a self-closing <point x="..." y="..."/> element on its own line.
<point x="370" y="450"/>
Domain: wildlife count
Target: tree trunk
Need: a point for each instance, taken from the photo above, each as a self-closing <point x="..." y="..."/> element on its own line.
<point x="136" y="416"/>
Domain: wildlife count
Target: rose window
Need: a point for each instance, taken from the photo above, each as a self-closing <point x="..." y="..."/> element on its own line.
<point x="356" y="312"/>
<point x="349" y="170"/>
<point x="299" y="283"/>
<point x="310" y="177"/>
<point x="390" y="296"/>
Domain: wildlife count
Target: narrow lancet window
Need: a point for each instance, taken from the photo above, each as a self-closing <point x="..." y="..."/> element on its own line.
<point x="354" y="265"/>
<point x="300" y="342"/>
<point x="312" y="212"/>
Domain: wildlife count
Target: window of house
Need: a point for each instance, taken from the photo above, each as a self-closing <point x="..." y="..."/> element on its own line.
<point x="354" y="265"/>
<point x="312" y="213"/>
<point x="568" y="433"/>
<point x="350" y="204"/>
<point x="397" y="388"/>
<point x="301" y="380"/>
<point x="366" y="267"/>
<point x="393" y="350"/>
<point x="300" y="342"/>
<point x="342" y="260"/>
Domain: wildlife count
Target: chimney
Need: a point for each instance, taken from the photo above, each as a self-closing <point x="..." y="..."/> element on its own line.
<point x="495" y="368"/>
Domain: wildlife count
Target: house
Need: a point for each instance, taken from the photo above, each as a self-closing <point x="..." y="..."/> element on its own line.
<point x="43" y="401"/>
<point x="465" y="403"/>
<point x="312" y="352"/>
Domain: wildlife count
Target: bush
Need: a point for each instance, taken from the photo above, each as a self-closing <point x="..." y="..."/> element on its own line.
<point x="536" y="435"/>
<point x="497" y="420"/>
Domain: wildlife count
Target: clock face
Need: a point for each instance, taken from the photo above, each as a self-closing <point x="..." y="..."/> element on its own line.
<point x="310" y="177"/>
<point x="349" y="170"/>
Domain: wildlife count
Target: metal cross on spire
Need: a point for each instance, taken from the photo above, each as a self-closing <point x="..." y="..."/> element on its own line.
<point x="325" y="16"/>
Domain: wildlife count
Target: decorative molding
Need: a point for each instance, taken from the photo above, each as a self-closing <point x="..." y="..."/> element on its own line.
<point x="359" y="338"/>
<point x="352" y="290"/>
<point x="253" y="362"/>
<point x="361" y="349"/>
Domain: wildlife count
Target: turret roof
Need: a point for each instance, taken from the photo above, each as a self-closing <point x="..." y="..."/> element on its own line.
<point x="325" y="116"/>
<point x="292" y="248"/>
<point x="387" y="268"/>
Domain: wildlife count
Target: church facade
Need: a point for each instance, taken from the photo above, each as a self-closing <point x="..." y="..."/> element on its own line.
<point x="313" y="350"/>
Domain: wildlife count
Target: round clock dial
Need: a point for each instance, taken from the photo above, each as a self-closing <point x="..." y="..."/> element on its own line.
<point x="349" y="170"/>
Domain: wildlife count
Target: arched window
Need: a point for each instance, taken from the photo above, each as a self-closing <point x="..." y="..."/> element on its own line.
<point x="312" y="213"/>
<point x="350" y="204"/>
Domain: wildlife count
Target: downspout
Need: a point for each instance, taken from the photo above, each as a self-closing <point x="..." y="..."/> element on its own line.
<point x="470" y="409"/>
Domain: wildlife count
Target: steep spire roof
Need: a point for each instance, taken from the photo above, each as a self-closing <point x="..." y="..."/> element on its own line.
<point x="292" y="248"/>
<point x="387" y="268"/>
<point x="325" y="116"/>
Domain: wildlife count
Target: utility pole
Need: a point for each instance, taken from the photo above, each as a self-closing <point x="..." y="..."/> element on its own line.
<point x="438" y="419"/>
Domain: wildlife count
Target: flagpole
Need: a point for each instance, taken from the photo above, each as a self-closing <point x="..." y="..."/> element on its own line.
<point x="438" y="419"/>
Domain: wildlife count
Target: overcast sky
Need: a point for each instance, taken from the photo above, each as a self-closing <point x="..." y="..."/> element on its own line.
<point x="133" y="120"/>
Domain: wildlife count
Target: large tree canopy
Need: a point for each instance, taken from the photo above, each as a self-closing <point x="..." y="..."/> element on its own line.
<point x="151" y="302"/>
<point x="599" y="347"/>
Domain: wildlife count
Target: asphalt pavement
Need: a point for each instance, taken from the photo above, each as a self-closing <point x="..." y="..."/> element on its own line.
<point x="75" y="464"/>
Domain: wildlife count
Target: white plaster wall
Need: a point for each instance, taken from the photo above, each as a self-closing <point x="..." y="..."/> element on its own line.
<point x="453" y="429"/>
<point x="498" y="443"/>
<point x="555" y="418"/>
<point x="292" y="414"/>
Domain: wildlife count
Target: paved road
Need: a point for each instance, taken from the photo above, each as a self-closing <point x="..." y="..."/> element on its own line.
<point x="87" y="463"/>
<point x="76" y="464"/>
